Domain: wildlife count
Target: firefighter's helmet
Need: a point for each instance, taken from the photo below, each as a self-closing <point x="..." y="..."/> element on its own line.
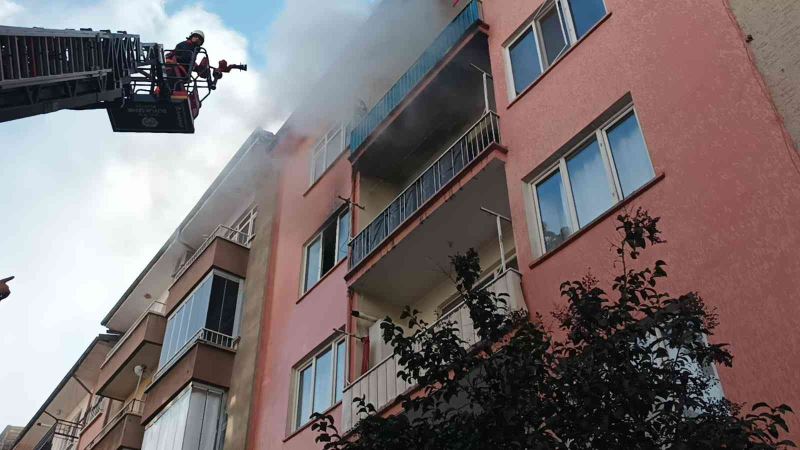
<point x="198" y="33"/>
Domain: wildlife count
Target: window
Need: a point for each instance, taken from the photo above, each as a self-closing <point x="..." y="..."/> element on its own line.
<point x="605" y="168"/>
<point x="708" y="371"/>
<point x="327" y="149"/>
<point x="555" y="26"/>
<point x="326" y="249"/>
<point x="320" y="381"/>
<point x="213" y="305"/>
<point x="192" y="421"/>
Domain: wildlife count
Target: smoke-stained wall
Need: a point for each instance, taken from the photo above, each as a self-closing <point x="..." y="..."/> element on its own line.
<point x="774" y="27"/>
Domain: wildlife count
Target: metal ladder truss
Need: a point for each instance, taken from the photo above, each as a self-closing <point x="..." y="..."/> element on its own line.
<point x="43" y="70"/>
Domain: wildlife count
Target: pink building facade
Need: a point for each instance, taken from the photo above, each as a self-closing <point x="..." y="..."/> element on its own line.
<point x="556" y="115"/>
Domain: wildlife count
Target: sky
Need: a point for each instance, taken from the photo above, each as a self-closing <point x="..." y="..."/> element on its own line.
<point x="84" y="209"/>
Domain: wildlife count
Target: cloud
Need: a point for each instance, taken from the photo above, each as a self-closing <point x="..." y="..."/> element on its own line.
<point x="8" y="10"/>
<point x="86" y="208"/>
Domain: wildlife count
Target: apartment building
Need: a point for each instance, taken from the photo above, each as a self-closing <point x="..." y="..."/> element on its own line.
<point x="520" y="128"/>
<point x="8" y="436"/>
<point x="175" y="369"/>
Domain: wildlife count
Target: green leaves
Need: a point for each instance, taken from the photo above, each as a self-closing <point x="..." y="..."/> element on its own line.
<point x="624" y="368"/>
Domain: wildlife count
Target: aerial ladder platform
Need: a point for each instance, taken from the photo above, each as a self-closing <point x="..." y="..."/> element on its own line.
<point x="140" y="85"/>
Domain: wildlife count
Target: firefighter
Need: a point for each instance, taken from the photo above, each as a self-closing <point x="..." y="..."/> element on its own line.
<point x="183" y="56"/>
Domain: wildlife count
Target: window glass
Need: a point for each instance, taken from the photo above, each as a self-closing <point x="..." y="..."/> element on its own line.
<point x="182" y="319"/>
<point x="329" y="247"/>
<point x="630" y="154"/>
<point x="318" y="163"/>
<point x="524" y="61"/>
<point x="304" y="401"/>
<point x="229" y="308"/>
<point x="322" y="382"/>
<point x="216" y="303"/>
<point x="334" y="147"/>
<point x="343" y="235"/>
<point x="585" y="14"/>
<point x="553" y="210"/>
<point x="313" y="253"/>
<point x="552" y="35"/>
<point x="341" y="360"/>
<point x="590" y="185"/>
<point x="200" y="299"/>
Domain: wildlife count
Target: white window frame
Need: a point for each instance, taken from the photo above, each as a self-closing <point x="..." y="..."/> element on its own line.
<point x="236" y="319"/>
<point x="533" y="23"/>
<point x="311" y="362"/>
<point x="318" y="237"/>
<point x="319" y="150"/>
<point x="601" y="135"/>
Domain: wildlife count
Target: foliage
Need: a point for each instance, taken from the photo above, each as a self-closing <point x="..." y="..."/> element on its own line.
<point x="631" y="372"/>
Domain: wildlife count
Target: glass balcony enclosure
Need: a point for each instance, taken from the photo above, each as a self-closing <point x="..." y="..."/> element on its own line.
<point x="212" y="308"/>
<point x="192" y="421"/>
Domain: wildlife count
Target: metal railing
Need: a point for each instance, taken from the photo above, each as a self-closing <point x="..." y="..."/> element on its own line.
<point x="451" y="35"/>
<point x="93" y="412"/>
<point x="134" y="407"/>
<point x="62" y="430"/>
<point x="203" y="335"/>
<point x="155" y="307"/>
<point x="466" y="149"/>
<point x="222" y="231"/>
<point x="381" y="385"/>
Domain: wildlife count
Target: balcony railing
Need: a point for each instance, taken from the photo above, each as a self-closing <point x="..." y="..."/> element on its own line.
<point x="479" y="137"/>
<point x="381" y="385"/>
<point x="155" y="307"/>
<point x="93" y="412"/>
<point x="451" y="35"/>
<point x="62" y="430"/>
<point x="133" y="407"/>
<point x="222" y="231"/>
<point x="203" y="335"/>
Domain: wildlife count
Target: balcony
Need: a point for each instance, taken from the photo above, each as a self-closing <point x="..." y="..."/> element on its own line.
<point x="140" y="345"/>
<point x="415" y="197"/>
<point x="414" y="78"/>
<point x="225" y="248"/>
<point x="123" y="431"/>
<point x="206" y="357"/>
<point x="381" y="385"/>
<point x="60" y="435"/>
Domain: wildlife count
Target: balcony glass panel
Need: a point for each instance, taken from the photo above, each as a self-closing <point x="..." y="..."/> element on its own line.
<point x="211" y="306"/>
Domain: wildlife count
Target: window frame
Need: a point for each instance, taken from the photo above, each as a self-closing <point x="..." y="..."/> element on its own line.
<point x="564" y="11"/>
<point x="236" y="319"/>
<point x="320" y="149"/>
<point x="334" y="219"/>
<point x="600" y="134"/>
<point x="311" y="361"/>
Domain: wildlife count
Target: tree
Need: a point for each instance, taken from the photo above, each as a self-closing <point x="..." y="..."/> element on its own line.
<point x="627" y="369"/>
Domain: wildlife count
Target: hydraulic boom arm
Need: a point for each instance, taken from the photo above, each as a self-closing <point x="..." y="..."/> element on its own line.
<point x="43" y="71"/>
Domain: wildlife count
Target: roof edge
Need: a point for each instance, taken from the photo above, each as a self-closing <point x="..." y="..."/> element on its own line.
<point x="258" y="135"/>
<point x="99" y="338"/>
